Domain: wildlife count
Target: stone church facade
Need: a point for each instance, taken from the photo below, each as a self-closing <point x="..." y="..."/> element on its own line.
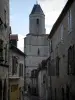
<point x="35" y="43"/>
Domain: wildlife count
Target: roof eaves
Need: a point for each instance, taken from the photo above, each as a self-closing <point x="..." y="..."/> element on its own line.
<point x="17" y="50"/>
<point x="60" y="18"/>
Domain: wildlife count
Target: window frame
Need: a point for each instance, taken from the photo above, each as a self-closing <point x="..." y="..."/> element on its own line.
<point x="37" y="21"/>
<point x="20" y="69"/>
<point x="71" y="60"/>
<point x="14" y="65"/>
<point x="69" y="21"/>
<point x="1" y="50"/>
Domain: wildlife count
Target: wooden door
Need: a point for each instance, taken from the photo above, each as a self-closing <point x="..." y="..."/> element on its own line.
<point x="14" y="93"/>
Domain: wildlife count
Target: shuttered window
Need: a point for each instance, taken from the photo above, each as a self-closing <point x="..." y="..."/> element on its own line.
<point x="71" y="60"/>
<point x="55" y="94"/>
<point x="5" y="90"/>
<point x="20" y="69"/>
<point x="5" y="53"/>
<point x="63" y="93"/>
<point x="0" y="89"/>
<point x="51" y="46"/>
<point x="1" y="50"/>
<point x="14" y="65"/>
<point x="57" y="66"/>
<point x="67" y="92"/>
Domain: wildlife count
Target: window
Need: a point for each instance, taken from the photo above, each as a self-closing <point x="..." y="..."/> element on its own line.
<point x="1" y="21"/>
<point x="37" y="21"/>
<point x="38" y="51"/>
<point x="51" y="46"/>
<point x="20" y="69"/>
<point x="1" y="89"/>
<point x="14" y="65"/>
<point x="67" y="92"/>
<point x="5" y="15"/>
<point x="62" y="32"/>
<point x="44" y="79"/>
<point x="71" y="61"/>
<point x="55" y="95"/>
<point x="57" y="66"/>
<point x="62" y="93"/>
<point x="1" y="50"/>
<point x="1" y="25"/>
<point x="69" y="21"/>
<point x="29" y="48"/>
<point x="5" y="53"/>
<point x="5" y="90"/>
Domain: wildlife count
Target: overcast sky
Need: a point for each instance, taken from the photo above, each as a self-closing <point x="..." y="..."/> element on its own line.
<point x="19" y="15"/>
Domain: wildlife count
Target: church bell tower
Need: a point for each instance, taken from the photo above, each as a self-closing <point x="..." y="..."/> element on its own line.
<point x="35" y="42"/>
<point x="37" y="21"/>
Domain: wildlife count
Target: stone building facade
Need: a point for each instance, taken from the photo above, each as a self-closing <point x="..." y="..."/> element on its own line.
<point x="43" y="80"/>
<point x="16" y="70"/>
<point x="62" y="55"/>
<point x="4" y="48"/>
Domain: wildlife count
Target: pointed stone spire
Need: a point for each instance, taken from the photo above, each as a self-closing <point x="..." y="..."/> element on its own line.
<point x="37" y="9"/>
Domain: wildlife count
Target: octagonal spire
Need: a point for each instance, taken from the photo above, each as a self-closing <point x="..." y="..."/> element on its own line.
<point x="37" y="9"/>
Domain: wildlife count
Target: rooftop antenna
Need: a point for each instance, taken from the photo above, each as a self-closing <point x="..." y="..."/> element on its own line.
<point x="36" y="1"/>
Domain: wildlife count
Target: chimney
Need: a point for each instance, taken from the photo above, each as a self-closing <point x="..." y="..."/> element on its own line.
<point x="14" y="39"/>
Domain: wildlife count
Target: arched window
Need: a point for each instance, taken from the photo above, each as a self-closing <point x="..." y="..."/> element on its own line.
<point x="37" y="21"/>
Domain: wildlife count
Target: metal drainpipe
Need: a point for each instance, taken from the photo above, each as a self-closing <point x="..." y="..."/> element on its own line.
<point x="50" y="75"/>
<point x="9" y="66"/>
<point x="24" y="75"/>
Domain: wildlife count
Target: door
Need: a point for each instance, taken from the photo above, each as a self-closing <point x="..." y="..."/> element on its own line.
<point x="14" y="93"/>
